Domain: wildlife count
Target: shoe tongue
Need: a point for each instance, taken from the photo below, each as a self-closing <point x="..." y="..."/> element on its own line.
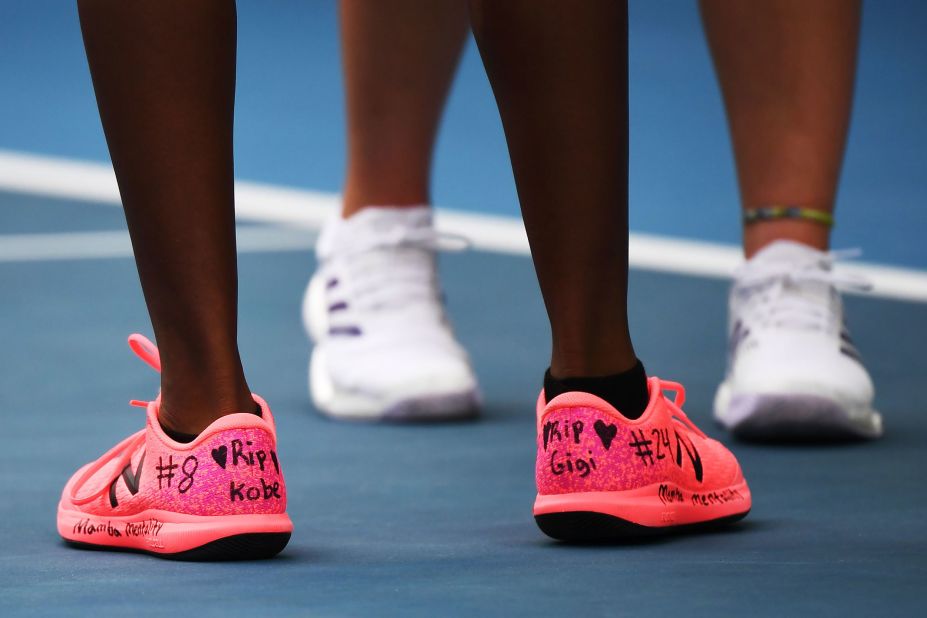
<point x="794" y="257"/>
<point x="369" y="226"/>
<point x="787" y="251"/>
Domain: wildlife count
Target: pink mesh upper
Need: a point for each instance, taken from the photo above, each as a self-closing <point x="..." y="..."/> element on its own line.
<point x="232" y="468"/>
<point x="585" y="445"/>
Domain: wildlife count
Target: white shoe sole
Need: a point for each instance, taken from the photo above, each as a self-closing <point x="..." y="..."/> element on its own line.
<point x="793" y="417"/>
<point x="343" y="404"/>
<point x="314" y="311"/>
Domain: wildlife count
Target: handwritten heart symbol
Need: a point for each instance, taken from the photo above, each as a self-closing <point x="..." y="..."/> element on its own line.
<point x="221" y="455"/>
<point x="606" y="433"/>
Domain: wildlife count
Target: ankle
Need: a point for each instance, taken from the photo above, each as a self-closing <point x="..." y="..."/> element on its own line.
<point x="190" y="411"/>
<point x="358" y="196"/>
<point x="586" y="361"/>
<point x="761" y="233"/>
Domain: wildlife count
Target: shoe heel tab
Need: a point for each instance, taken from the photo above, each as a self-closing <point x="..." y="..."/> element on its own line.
<point x="240" y="420"/>
<point x="579" y="399"/>
<point x="575" y="399"/>
<point x="236" y="420"/>
<point x="266" y="414"/>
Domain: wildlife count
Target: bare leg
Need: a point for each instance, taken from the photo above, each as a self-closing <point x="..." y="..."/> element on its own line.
<point x="399" y="60"/>
<point x="559" y="74"/>
<point x="786" y="69"/>
<point x="164" y="75"/>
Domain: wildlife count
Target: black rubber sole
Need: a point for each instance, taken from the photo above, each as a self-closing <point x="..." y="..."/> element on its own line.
<point x="592" y="527"/>
<point x="250" y="546"/>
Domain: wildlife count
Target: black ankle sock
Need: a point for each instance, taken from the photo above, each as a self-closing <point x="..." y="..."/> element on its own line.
<point x="183" y="438"/>
<point x="626" y="391"/>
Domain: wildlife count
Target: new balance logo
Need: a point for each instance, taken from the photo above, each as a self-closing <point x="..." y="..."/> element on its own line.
<point x="738" y="334"/>
<point x="693" y="455"/>
<point x="131" y="479"/>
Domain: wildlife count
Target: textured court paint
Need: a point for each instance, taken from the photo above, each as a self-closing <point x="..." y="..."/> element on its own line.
<point x="436" y="520"/>
<point x="289" y="126"/>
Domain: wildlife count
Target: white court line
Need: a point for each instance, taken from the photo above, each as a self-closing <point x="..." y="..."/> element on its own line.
<point x="116" y="244"/>
<point x="308" y="210"/>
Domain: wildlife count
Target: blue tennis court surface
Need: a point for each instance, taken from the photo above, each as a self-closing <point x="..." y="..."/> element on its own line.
<point x="436" y="520"/>
<point x="289" y="123"/>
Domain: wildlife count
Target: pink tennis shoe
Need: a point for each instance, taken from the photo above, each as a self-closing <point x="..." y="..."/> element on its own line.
<point x="220" y="497"/>
<point x="601" y="476"/>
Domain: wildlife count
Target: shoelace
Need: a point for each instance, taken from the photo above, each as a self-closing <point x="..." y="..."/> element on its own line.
<point x="676" y="403"/>
<point x="776" y="286"/>
<point x="122" y="453"/>
<point x="421" y="237"/>
<point x="407" y="277"/>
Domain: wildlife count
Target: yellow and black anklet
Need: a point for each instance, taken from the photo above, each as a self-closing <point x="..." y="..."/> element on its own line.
<point x="770" y="213"/>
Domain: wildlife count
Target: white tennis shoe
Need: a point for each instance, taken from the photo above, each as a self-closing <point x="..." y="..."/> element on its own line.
<point x="793" y="371"/>
<point x="384" y="349"/>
